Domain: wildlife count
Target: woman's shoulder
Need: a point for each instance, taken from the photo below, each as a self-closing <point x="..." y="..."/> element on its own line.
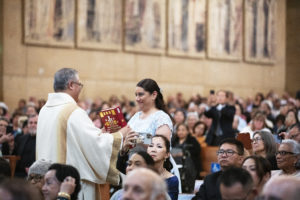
<point x="161" y="113"/>
<point x="172" y="179"/>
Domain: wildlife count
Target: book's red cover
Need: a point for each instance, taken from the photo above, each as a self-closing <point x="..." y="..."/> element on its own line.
<point x="112" y="116"/>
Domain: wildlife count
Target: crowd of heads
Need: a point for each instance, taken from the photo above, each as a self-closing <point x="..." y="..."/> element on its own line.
<point x="269" y="117"/>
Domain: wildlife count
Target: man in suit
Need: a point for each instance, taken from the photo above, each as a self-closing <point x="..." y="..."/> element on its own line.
<point x="25" y="147"/>
<point x="230" y="153"/>
<point x="222" y="115"/>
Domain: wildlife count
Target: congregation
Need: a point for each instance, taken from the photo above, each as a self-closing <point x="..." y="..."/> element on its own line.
<point x="169" y="166"/>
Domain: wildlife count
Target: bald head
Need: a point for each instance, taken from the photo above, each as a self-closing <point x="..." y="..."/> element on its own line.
<point x="144" y="184"/>
<point x="283" y="187"/>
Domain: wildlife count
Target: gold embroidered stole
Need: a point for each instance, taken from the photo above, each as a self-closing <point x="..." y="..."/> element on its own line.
<point x="62" y="131"/>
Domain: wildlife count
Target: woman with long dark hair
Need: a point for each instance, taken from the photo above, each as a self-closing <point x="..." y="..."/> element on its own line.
<point x="260" y="170"/>
<point x="152" y="118"/>
<point x="159" y="150"/>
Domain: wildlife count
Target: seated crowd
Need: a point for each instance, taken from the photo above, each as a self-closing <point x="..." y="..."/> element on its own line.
<point x="268" y="170"/>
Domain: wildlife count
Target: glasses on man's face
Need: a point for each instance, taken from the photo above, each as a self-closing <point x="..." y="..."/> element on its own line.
<point x="283" y="153"/>
<point x="35" y="177"/>
<point x="228" y="152"/>
<point x="78" y="83"/>
<point x="255" y="140"/>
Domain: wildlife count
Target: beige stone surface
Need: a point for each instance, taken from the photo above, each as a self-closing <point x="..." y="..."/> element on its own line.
<point x="29" y="69"/>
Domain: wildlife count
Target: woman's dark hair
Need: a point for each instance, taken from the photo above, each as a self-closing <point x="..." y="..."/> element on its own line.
<point x="148" y="159"/>
<point x="4" y="168"/>
<point x="167" y="164"/>
<point x="150" y="86"/>
<point x="295" y="114"/>
<point x="182" y="124"/>
<point x="241" y="107"/>
<point x="262" y="166"/>
<point x="199" y="123"/>
<point x="182" y="111"/>
<point x="62" y="171"/>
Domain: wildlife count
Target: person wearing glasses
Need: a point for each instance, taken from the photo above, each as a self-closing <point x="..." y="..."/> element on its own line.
<point x="230" y="154"/>
<point x="287" y="156"/>
<point x="264" y="145"/>
<point x="37" y="172"/>
<point x="66" y="134"/>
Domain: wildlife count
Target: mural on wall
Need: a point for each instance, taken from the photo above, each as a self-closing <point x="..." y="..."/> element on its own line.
<point x="145" y="26"/>
<point x="187" y="27"/>
<point x="225" y="26"/>
<point x="99" y="24"/>
<point x="260" y="33"/>
<point x="49" y="22"/>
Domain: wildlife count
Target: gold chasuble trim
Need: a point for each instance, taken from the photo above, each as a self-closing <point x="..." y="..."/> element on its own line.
<point x="62" y="131"/>
<point x="113" y="173"/>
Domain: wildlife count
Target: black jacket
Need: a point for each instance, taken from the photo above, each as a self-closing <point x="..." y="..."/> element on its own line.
<point x="223" y="117"/>
<point x="210" y="189"/>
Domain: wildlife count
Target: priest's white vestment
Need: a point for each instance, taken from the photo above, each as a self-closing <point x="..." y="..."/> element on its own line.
<point x="65" y="134"/>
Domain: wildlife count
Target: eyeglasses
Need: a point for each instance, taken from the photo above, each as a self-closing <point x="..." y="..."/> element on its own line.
<point x="283" y="153"/>
<point x="228" y="152"/>
<point x="36" y="178"/>
<point x="256" y="139"/>
<point x="78" y="83"/>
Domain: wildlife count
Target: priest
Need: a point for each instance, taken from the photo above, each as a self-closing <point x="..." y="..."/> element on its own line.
<point x="65" y="134"/>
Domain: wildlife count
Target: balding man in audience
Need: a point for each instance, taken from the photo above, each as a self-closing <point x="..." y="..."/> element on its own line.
<point x="230" y="153"/>
<point x="282" y="188"/>
<point x="144" y="184"/>
<point x="237" y="183"/>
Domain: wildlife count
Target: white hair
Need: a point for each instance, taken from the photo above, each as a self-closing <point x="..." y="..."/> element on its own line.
<point x="293" y="144"/>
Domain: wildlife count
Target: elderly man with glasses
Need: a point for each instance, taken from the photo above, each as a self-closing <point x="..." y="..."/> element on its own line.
<point x="230" y="154"/>
<point x="66" y="134"/>
<point x="287" y="156"/>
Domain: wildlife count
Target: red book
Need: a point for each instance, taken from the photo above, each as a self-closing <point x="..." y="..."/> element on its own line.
<point x="112" y="117"/>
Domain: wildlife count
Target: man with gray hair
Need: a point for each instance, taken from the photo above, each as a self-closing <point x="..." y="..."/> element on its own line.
<point x="65" y="134"/>
<point x="281" y="188"/>
<point x="25" y="147"/>
<point x="144" y="184"/>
